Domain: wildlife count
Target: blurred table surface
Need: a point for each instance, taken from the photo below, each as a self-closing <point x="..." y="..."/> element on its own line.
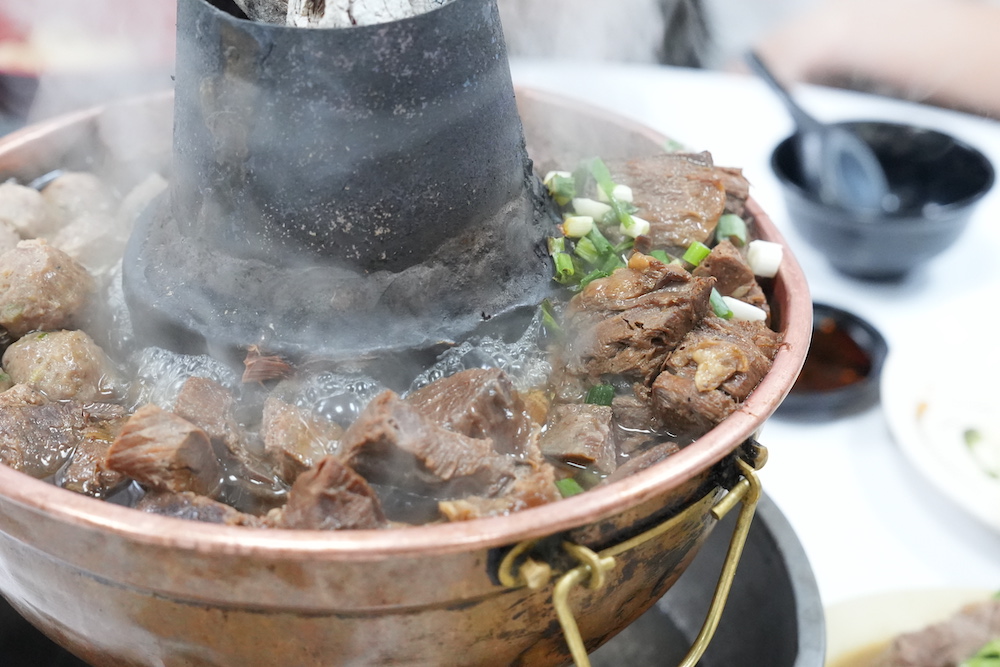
<point x="868" y="521"/>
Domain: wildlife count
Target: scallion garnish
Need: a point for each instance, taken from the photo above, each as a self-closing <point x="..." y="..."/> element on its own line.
<point x="695" y="253"/>
<point x="604" y="182"/>
<point x="561" y="185"/>
<point x="600" y="394"/>
<point x="661" y="255"/>
<point x="719" y="306"/>
<point x="568" y="487"/>
<point x="549" y="320"/>
<point x="565" y="269"/>
<point x="587" y="251"/>
<point x="732" y="227"/>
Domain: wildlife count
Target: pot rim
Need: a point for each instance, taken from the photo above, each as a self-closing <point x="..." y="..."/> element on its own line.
<point x="795" y="312"/>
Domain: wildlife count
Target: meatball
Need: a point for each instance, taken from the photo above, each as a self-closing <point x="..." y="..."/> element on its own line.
<point x="62" y="365"/>
<point x="41" y="288"/>
<point x="76" y="193"/>
<point x="25" y="210"/>
<point x="91" y="240"/>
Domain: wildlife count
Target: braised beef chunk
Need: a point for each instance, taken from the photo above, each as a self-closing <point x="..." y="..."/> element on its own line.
<point x="635" y="421"/>
<point x="209" y="406"/>
<point x="191" y="506"/>
<point x="714" y="369"/>
<point x="640" y="460"/>
<point x="479" y="403"/>
<point x="682" y="195"/>
<point x="733" y="276"/>
<point x="627" y="324"/>
<point x="947" y="643"/>
<point x="39" y="439"/>
<point x="163" y="451"/>
<point x="580" y="434"/>
<point x="294" y="438"/>
<point x="723" y="354"/>
<point x="534" y="484"/>
<point x="392" y="443"/>
<point x="683" y="409"/>
<point x="331" y="496"/>
<point x="85" y="472"/>
<point x="737" y="189"/>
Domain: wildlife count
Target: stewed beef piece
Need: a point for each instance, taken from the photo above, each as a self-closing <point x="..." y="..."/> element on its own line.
<point x="330" y="496"/>
<point x="947" y="643"/>
<point x="479" y="403"/>
<point x="85" y="472"/>
<point x="194" y="507"/>
<point x="393" y="443"/>
<point x="715" y="368"/>
<point x="682" y="195"/>
<point x="162" y="451"/>
<point x="580" y="434"/>
<point x="733" y="276"/>
<point x="295" y="439"/>
<point x="627" y="324"/>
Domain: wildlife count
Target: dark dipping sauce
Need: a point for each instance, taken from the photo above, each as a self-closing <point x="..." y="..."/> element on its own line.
<point x="835" y="359"/>
<point x="841" y="371"/>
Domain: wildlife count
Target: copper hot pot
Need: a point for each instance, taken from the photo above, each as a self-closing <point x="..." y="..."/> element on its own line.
<point x="119" y="587"/>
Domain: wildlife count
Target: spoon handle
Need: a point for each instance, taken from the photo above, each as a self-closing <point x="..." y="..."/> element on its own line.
<point x="801" y="117"/>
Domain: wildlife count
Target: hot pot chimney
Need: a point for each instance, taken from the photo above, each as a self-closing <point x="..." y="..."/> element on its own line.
<point x="339" y="190"/>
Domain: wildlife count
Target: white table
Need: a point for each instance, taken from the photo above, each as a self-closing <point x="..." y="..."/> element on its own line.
<point x="868" y="522"/>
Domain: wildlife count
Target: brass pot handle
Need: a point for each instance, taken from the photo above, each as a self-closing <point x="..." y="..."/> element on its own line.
<point x="595" y="565"/>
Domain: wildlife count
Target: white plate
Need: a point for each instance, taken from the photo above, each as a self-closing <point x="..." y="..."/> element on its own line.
<point x="859" y="629"/>
<point x="937" y="384"/>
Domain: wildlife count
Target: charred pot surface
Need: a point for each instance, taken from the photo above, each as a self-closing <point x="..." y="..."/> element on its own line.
<point x="340" y="190"/>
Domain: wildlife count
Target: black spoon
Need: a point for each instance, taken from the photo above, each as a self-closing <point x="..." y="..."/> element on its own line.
<point x="837" y="165"/>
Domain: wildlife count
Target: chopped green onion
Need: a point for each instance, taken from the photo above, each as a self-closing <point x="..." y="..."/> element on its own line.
<point x="564" y="266"/>
<point x="743" y="311"/>
<point x="611" y="263"/>
<point x="561" y="185"/>
<point x="764" y="257"/>
<point x="556" y="244"/>
<point x="639" y="227"/>
<point x="549" y="320"/>
<point x="604" y="182"/>
<point x="972" y="436"/>
<point x="600" y="394"/>
<point x="587" y="251"/>
<point x="592" y="276"/>
<point x="600" y="242"/>
<point x="695" y="253"/>
<point x="568" y="487"/>
<point x="622" y="193"/>
<point x="661" y="255"/>
<point x="575" y="226"/>
<point x="732" y="227"/>
<point x="595" y="209"/>
<point x="719" y="305"/>
<point x="987" y="656"/>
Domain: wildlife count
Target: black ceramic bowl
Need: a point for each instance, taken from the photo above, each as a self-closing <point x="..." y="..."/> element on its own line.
<point x="841" y="373"/>
<point x="936" y="179"/>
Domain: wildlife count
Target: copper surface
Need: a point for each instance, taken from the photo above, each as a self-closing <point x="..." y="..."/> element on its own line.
<point x="120" y="587"/>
